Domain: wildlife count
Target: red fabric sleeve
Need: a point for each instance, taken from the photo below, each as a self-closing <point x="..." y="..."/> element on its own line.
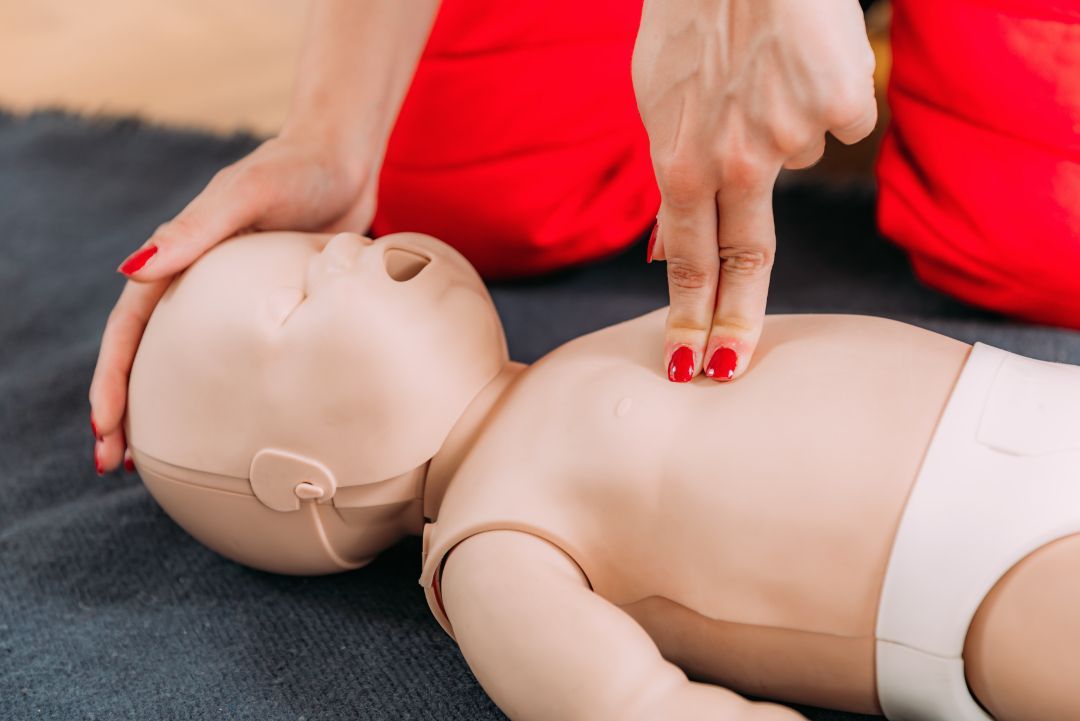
<point x="520" y="142"/>
<point x="979" y="173"/>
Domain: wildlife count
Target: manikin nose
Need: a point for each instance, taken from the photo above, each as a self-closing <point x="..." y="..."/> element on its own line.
<point x="339" y="255"/>
<point x="341" y="251"/>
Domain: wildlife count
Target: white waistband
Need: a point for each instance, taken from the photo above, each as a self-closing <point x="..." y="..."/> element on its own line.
<point x="1000" y="480"/>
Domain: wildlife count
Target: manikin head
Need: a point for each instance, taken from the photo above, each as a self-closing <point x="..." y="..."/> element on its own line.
<point x="291" y="388"/>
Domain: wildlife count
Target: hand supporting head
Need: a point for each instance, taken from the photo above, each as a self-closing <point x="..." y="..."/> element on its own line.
<point x="316" y="376"/>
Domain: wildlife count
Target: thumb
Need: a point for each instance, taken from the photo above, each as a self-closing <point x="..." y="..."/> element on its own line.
<point x="747" y="246"/>
<point x="231" y="202"/>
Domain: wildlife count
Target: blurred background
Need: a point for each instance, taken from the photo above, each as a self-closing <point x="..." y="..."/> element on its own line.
<point x="217" y="66"/>
<point x="198" y="63"/>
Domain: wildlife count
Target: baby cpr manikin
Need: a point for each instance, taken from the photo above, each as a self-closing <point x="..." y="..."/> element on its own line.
<point x="875" y="518"/>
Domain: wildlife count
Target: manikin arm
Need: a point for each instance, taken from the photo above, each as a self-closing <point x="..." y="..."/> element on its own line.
<point x="545" y="647"/>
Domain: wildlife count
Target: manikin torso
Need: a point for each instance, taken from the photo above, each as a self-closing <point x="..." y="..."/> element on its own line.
<point x="728" y="528"/>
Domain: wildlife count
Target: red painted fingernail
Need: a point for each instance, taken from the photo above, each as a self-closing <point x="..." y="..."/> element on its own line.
<point x="97" y="462"/>
<point x="129" y="465"/>
<point x="652" y="243"/>
<point x="722" y="364"/>
<point x="137" y="259"/>
<point x="93" y="427"/>
<point x="681" y="368"/>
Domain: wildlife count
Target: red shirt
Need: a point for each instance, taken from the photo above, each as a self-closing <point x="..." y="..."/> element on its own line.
<point x="980" y="170"/>
<point x="520" y="142"/>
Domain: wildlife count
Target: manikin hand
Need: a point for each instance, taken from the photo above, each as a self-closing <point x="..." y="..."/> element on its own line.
<point x="731" y="91"/>
<point x="319" y="174"/>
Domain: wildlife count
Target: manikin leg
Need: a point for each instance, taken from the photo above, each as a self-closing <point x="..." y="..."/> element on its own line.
<point x="1023" y="650"/>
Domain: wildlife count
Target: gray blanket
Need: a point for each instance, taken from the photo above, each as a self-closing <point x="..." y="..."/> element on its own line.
<point x="109" y="611"/>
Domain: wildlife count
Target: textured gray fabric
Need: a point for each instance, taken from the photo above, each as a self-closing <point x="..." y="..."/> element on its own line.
<point x="109" y="611"/>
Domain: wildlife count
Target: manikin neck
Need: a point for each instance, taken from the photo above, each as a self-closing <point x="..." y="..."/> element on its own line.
<point x="462" y="437"/>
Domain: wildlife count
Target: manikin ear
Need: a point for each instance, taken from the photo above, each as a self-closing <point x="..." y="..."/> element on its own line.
<point x="281" y="479"/>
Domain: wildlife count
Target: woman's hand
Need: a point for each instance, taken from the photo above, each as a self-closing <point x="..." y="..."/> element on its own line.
<point x="319" y="174"/>
<point x="730" y="92"/>
<point x="294" y="183"/>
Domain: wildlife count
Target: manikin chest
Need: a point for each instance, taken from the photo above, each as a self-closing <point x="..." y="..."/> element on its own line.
<point x="660" y="493"/>
<point x="746" y="526"/>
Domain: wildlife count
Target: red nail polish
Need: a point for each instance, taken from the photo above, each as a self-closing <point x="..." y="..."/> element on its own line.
<point x="93" y="427"/>
<point x="681" y="368"/>
<point x="137" y="259"/>
<point x="722" y="364"/>
<point x="652" y="243"/>
<point x="129" y="465"/>
<point x="97" y="462"/>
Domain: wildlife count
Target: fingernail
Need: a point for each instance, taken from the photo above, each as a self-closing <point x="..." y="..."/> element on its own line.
<point x="129" y="465"/>
<point x="97" y="462"/>
<point x="652" y="242"/>
<point x="93" y="427"/>
<point x="722" y="364"/>
<point x="681" y="368"/>
<point x="137" y="259"/>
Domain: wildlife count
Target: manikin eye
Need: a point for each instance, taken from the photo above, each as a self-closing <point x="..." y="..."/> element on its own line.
<point x="280" y="305"/>
<point x="403" y="265"/>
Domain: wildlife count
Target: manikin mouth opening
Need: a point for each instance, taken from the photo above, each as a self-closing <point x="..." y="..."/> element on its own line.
<point x="403" y="265"/>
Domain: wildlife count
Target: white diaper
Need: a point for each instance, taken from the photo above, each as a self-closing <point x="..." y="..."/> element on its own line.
<point x="1001" y="479"/>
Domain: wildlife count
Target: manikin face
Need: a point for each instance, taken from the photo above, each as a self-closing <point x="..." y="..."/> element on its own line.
<point x="351" y="357"/>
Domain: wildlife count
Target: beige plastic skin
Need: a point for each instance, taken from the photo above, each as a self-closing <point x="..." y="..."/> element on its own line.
<point x="605" y="532"/>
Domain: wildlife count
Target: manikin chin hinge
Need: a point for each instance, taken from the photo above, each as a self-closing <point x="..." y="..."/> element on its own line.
<point x="280" y="480"/>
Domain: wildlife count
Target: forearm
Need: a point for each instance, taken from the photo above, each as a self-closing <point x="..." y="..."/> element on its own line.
<point x="358" y="62"/>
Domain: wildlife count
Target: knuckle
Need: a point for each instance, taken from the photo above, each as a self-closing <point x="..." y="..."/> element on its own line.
<point x="116" y="315"/>
<point x="745" y="261"/>
<point x="681" y="180"/>
<point x="742" y="169"/>
<point x="131" y="311"/>
<point x="253" y="185"/>
<point x="120" y="317"/>
<point x="869" y="61"/>
<point x="120" y="320"/>
<point x="224" y="175"/>
<point x="806" y="157"/>
<point x="116" y="378"/>
<point x="161" y="234"/>
<point x="849" y="103"/>
<point x="178" y="229"/>
<point x="250" y="176"/>
<point x="686" y="274"/>
<point x="791" y="138"/>
<point x="226" y="178"/>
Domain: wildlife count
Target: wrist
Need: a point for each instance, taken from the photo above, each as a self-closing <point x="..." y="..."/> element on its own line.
<point x="357" y="65"/>
<point x="344" y="151"/>
<point x="335" y="130"/>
